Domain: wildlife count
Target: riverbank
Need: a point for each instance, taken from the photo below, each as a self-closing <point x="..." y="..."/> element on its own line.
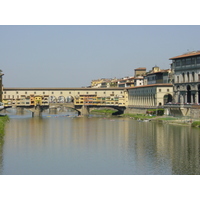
<point x="165" y="119"/>
<point x="3" y="120"/>
<point x="103" y="111"/>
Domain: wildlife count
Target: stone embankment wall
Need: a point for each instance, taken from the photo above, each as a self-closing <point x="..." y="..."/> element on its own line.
<point x="135" y="111"/>
<point x="176" y="112"/>
<point x="195" y="113"/>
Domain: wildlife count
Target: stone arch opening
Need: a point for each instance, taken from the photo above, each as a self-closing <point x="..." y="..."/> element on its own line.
<point x="188" y="94"/>
<point x="167" y="98"/>
<point x="61" y="99"/>
<point x="183" y="77"/>
<point x="193" y="79"/>
<point x="52" y="99"/>
<point x="178" y="99"/>
<point x="188" y="76"/>
<point x="69" y="99"/>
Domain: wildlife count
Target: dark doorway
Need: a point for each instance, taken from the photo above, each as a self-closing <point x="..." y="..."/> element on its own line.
<point x="167" y="98"/>
<point x="188" y="94"/>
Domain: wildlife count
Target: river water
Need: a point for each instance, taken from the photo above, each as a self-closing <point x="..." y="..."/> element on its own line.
<point x="64" y="144"/>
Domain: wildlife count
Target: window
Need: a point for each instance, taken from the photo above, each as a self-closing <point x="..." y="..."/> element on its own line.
<point x="193" y="61"/>
<point x="167" y="90"/>
<point x="60" y="92"/>
<point x="178" y="63"/>
<point x="4" y="92"/>
<point x="52" y="93"/>
<point x="16" y="92"/>
<point x="69" y="92"/>
<point x="193" y="79"/>
<point x="177" y="79"/>
<point x="34" y="92"/>
<point x="159" y="90"/>
<point x="183" y="62"/>
<point x="183" y="76"/>
<point x="198" y="60"/>
<point x="25" y="92"/>
<point x="188" y="61"/>
<point x="188" y="76"/>
<point x="43" y="92"/>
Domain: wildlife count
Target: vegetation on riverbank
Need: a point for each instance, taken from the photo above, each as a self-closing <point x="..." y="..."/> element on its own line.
<point x="165" y="119"/>
<point x="196" y="124"/>
<point x="3" y="120"/>
<point x="103" y="111"/>
<point x="157" y="112"/>
<point x="138" y="116"/>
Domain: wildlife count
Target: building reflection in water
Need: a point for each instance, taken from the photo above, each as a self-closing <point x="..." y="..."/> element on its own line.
<point x="67" y="145"/>
<point x="1" y="151"/>
<point x="165" y="149"/>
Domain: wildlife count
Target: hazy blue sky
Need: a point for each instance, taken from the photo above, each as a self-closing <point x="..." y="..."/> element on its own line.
<point x="72" y="56"/>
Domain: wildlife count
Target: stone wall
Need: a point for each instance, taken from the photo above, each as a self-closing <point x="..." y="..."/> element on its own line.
<point x="135" y="110"/>
<point x="195" y="113"/>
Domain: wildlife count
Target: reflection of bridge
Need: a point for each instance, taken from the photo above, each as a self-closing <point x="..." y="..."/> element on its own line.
<point x="84" y="109"/>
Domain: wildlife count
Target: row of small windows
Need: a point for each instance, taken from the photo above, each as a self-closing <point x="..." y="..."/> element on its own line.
<point x="188" y="61"/>
<point x="147" y="91"/>
<point x="190" y="78"/>
<point x="62" y="92"/>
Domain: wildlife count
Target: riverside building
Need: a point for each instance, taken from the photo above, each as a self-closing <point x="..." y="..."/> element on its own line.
<point x="186" y="72"/>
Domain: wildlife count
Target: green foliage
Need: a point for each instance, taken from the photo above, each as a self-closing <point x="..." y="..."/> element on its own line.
<point x="104" y="111"/>
<point x="3" y="120"/>
<point x="196" y="124"/>
<point x="158" y="112"/>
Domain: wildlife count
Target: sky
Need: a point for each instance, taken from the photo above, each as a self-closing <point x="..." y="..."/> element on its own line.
<point x="74" y="55"/>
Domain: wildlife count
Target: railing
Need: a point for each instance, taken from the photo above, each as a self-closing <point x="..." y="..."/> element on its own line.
<point x="178" y="105"/>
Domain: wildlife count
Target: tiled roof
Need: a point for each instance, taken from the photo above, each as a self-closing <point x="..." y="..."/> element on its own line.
<point x="153" y="85"/>
<point x="141" y="68"/>
<point x="194" y="53"/>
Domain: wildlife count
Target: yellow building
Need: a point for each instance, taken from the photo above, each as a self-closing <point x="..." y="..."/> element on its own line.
<point x="38" y="100"/>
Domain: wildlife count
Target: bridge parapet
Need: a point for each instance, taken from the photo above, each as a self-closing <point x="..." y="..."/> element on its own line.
<point x="68" y="105"/>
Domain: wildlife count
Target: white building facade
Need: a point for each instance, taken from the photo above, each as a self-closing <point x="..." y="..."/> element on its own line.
<point x="186" y="69"/>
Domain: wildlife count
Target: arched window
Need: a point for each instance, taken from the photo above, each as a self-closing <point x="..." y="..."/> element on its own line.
<point x="188" y="94"/>
<point x="177" y="79"/>
<point x="188" y="76"/>
<point x="183" y="77"/>
<point x="193" y="79"/>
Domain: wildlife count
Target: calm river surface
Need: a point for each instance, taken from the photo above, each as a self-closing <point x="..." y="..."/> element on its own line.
<point x="68" y="145"/>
